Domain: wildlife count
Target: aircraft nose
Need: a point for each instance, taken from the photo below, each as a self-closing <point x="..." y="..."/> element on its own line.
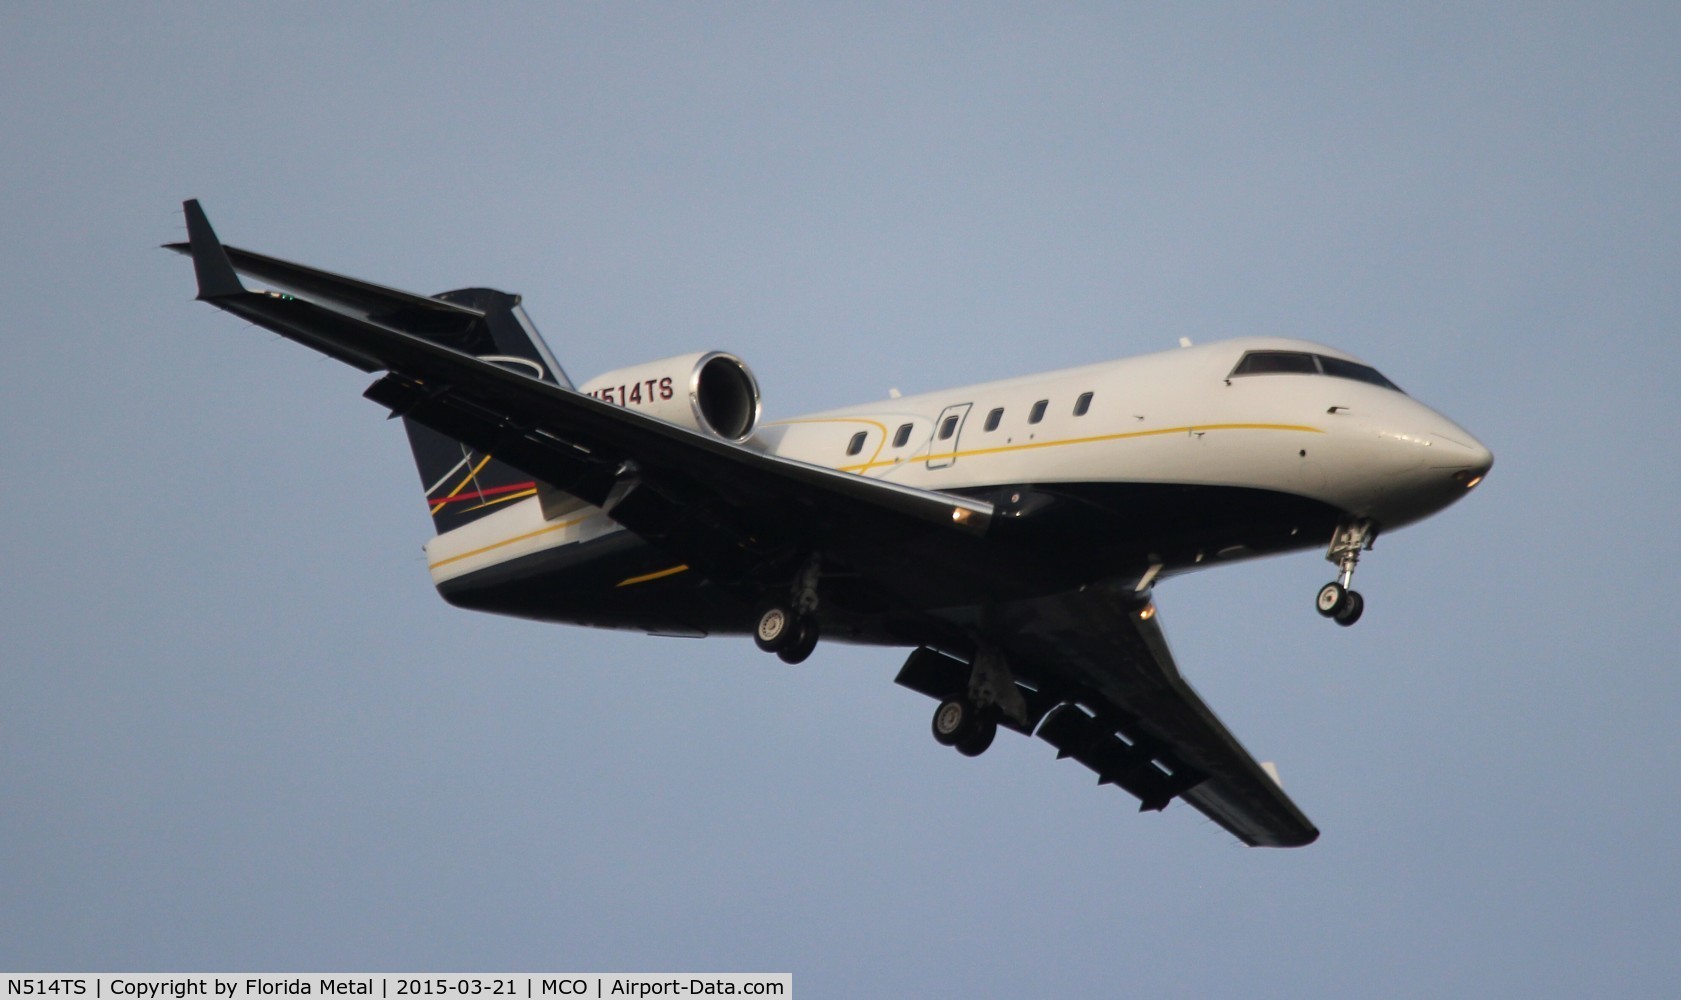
<point x="1423" y="463"/>
<point x="1471" y="459"/>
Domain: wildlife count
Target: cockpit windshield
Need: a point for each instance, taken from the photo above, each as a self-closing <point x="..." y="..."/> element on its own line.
<point x="1303" y="363"/>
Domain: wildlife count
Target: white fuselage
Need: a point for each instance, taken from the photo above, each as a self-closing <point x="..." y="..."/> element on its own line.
<point x="1176" y="417"/>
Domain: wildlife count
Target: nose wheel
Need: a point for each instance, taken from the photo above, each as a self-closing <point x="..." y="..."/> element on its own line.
<point x="1340" y="604"/>
<point x="1337" y="600"/>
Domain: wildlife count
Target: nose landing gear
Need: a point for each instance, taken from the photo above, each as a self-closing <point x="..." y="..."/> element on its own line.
<point x="1336" y="600"/>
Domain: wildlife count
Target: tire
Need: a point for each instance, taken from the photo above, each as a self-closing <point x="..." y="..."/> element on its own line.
<point x="774" y="628"/>
<point x="1353" y="605"/>
<point x="1331" y="597"/>
<point x="804" y="640"/>
<point x="980" y="736"/>
<point x="952" y="721"/>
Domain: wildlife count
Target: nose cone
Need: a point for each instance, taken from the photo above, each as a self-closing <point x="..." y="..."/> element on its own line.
<point x="1424" y="464"/>
<point x="1456" y="464"/>
<point x="1467" y="459"/>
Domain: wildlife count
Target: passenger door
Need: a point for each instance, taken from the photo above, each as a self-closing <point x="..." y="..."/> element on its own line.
<point x="942" y="448"/>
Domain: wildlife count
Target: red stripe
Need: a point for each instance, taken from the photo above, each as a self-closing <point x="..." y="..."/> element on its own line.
<point x="481" y="494"/>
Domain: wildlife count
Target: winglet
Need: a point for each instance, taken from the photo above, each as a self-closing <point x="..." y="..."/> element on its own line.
<point x="216" y="277"/>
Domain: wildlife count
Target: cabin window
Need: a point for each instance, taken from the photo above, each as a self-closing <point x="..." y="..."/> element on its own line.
<point x="1038" y="412"/>
<point x="993" y="418"/>
<point x="948" y="427"/>
<point x="902" y="435"/>
<point x="1082" y="404"/>
<point x="856" y="445"/>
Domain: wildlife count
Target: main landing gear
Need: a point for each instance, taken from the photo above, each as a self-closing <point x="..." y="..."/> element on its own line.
<point x="968" y="720"/>
<point x="787" y="626"/>
<point x="779" y="630"/>
<point x="1336" y="600"/>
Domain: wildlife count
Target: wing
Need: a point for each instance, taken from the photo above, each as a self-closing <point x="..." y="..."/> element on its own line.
<point x="726" y="509"/>
<point x="1100" y="685"/>
<point x="1135" y="720"/>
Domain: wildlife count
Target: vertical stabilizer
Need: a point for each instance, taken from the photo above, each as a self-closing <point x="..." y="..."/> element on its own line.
<point x="463" y="484"/>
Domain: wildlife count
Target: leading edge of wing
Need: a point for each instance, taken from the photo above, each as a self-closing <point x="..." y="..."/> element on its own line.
<point x="519" y="400"/>
<point x="1239" y="794"/>
<point x="584" y="420"/>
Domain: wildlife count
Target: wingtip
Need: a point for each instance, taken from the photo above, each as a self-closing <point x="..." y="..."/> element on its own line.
<point x="216" y="277"/>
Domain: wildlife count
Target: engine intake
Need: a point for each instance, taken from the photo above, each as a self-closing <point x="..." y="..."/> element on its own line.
<point x="712" y="392"/>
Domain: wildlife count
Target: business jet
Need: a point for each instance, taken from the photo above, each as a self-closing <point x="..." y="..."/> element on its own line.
<point x="1010" y="534"/>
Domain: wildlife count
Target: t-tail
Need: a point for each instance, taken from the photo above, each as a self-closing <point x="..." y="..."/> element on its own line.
<point x="462" y="484"/>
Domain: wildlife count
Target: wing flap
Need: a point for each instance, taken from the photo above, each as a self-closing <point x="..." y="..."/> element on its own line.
<point x="1138" y="766"/>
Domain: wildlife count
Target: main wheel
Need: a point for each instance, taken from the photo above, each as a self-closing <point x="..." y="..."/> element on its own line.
<point x="1331" y="597"/>
<point x="980" y="736"/>
<point x="1353" y="605"/>
<point x="775" y="628"/>
<point x="804" y="640"/>
<point x="952" y="721"/>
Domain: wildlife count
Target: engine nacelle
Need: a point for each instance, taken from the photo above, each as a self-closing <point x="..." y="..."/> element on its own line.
<point x="712" y="392"/>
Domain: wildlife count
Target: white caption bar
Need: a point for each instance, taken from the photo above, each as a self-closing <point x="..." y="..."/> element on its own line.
<point x="393" y="986"/>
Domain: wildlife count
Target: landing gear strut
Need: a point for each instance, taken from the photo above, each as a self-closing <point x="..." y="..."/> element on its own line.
<point x="968" y="719"/>
<point x="1336" y="600"/>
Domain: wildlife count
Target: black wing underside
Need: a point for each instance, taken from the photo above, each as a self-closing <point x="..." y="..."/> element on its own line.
<point x="1110" y="695"/>
<point x="1140" y="724"/>
<point x="1101" y="685"/>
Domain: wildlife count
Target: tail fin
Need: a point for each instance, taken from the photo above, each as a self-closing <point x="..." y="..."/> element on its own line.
<point x="461" y="483"/>
<point x="505" y="335"/>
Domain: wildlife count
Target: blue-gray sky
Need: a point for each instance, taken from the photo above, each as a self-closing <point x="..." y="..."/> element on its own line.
<point x="239" y="731"/>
